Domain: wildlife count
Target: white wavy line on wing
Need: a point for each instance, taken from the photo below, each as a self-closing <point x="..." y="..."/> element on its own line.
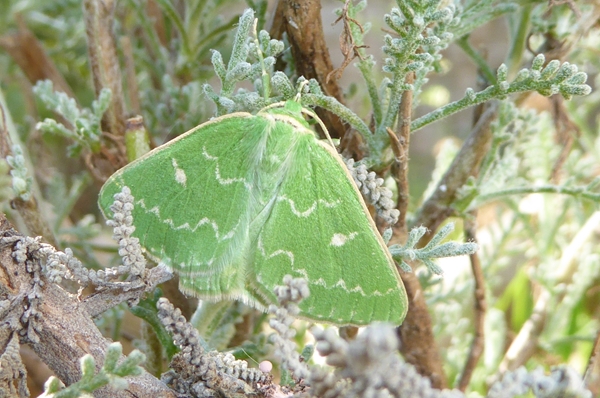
<point x="220" y="179"/>
<point x="204" y="221"/>
<point x="302" y="272"/>
<point x="310" y="210"/>
<point x="275" y="253"/>
<point x="357" y="289"/>
<point x="207" y="155"/>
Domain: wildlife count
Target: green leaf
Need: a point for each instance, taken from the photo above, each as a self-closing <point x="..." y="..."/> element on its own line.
<point x="146" y="310"/>
<point x="238" y="202"/>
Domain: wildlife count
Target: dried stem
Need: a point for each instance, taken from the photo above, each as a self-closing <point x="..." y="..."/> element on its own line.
<point x="65" y="330"/>
<point x="438" y="207"/>
<point x="418" y="343"/>
<point x="523" y="346"/>
<point x="480" y="308"/>
<point x="303" y="25"/>
<point x="419" y="347"/>
<point x="99" y="18"/>
<point x="133" y="91"/>
<point x="566" y="133"/>
<point x="400" y="167"/>
<point x="31" y="57"/>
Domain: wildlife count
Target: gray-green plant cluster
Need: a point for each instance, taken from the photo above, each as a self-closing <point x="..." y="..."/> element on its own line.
<point x="111" y="373"/>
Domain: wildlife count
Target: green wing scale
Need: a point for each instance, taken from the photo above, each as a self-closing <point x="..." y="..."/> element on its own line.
<point x="236" y="203"/>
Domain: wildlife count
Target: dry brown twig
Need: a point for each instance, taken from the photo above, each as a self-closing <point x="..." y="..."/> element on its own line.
<point x="304" y="27"/>
<point x="400" y="145"/>
<point x="437" y="208"/>
<point x="480" y="309"/>
<point x="347" y="45"/>
<point x="30" y="55"/>
<point x="419" y="346"/>
<point x="417" y="327"/>
<point x="106" y="73"/>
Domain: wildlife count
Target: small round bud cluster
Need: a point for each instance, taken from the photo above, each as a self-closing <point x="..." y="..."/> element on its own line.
<point x="330" y="345"/>
<point x="562" y="382"/>
<point x="61" y="266"/>
<point x="288" y="295"/>
<point x="21" y="182"/>
<point x="122" y="223"/>
<point x="368" y="366"/>
<point x="294" y="290"/>
<point x="372" y="188"/>
<point x="199" y="373"/>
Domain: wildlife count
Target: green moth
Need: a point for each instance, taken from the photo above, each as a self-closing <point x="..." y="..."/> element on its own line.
<point x="238" y="202"/>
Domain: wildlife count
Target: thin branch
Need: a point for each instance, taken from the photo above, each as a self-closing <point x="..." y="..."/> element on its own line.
<point x="400" y="167"/>
<point x="102" y="300"/>
<point x="304" y="27"/>
<point x="523" y="346"/>
<point x="438" y="206"/>
<point x="579" y="192"/>
<point x="480" y="308"/>
<point x="592" y="372"/>
<point x="99" y="21"/>
<point x="419" y="347"/>
<point x="567" y="132"/>
<point x="133" y="90"/>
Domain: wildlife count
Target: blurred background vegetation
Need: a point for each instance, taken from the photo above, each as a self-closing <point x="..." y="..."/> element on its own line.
<point x="538" y="248"/>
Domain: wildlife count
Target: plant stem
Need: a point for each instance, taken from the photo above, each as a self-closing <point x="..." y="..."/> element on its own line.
<point x="482" y="65"/>
<point x="174" y="16"/>
<point x="576" y="191"/>
<point x="519" y="41"/>
<point x="477" y="345"/>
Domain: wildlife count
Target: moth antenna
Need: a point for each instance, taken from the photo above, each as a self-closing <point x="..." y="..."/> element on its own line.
<point x="265" y="76"/>
<point x="299" y="93"/>
<point x="249" y="356"/>
<point x="311" y="113"/>
<point x="318" y="119"/>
